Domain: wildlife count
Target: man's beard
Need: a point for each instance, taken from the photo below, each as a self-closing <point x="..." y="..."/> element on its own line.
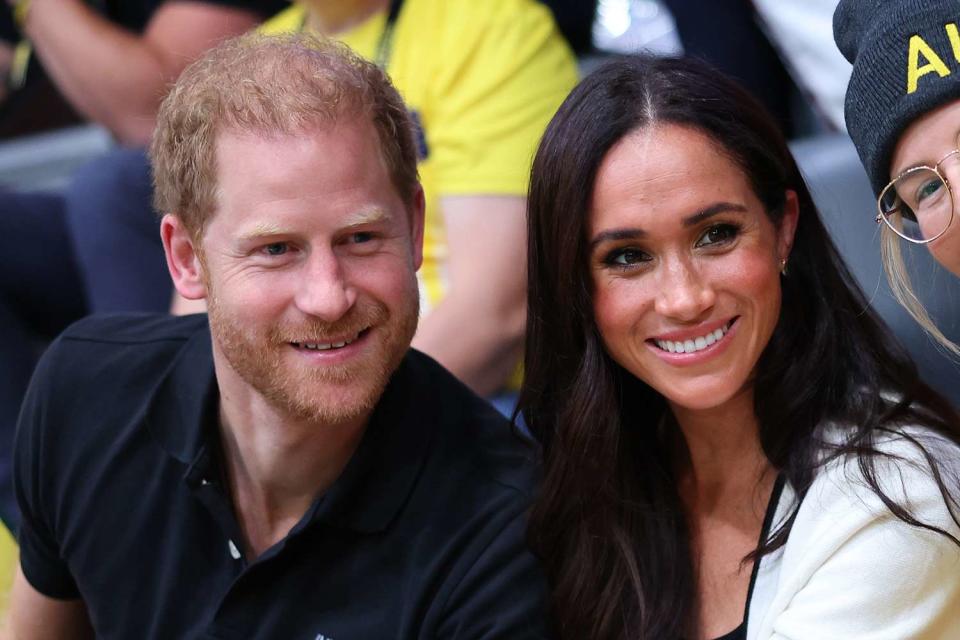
<point x="325" y="394"/>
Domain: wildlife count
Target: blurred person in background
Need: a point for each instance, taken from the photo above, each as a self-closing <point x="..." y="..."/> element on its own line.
<point x="903" y="114"/>
<point x="113" y="61"/>
<point x="800" y="31"/>
<point x="780" y="50"/>
<point x="727" y="35"/>
<point x="734" y="445"/>
<point x="287" y="467"/>
<point x="575" y="19"/>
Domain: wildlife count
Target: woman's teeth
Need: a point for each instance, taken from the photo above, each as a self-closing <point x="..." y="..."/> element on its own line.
<point x="694" y="344"/>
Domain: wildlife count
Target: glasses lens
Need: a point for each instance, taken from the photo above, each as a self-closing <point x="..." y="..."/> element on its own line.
<point x="917" y="205"/>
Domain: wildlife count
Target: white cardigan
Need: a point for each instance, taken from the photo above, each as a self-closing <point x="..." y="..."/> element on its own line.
<point x="851" y="570"/>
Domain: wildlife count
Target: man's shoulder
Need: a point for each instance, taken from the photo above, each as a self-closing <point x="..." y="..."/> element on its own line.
<point x="116" y="351"/>
<point x="473" y="441"/>
<point x="464" y="519"/>
<point x="133" y="328"/>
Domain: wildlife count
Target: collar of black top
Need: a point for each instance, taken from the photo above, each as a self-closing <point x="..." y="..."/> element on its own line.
<point x="375" y="483"/>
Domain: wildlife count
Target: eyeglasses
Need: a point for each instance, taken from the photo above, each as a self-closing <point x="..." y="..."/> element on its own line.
<point x="918" y="204"/>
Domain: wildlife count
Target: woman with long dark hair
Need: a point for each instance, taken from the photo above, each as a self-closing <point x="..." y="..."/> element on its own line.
<point x="734" y="445"/>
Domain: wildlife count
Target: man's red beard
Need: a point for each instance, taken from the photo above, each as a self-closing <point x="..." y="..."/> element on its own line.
<point x="321" y="393"/>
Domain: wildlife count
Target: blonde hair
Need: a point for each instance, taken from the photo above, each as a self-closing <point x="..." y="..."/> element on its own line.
<point x="281" y="84"/>
<point x="891" y="248"/>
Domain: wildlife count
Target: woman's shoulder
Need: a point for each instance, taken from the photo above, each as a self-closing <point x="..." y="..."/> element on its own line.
<point x="913" y="466"/>
<point x="864" y="482"/>
<point x="851" y="567"/>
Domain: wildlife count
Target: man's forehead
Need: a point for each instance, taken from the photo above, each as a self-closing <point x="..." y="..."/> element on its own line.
<point x="276" y="226"/>
<point x="326" y="151"/>
<point x="335" y="168"/>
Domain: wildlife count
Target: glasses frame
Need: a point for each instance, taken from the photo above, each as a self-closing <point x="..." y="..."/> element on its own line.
<point x="881" y="216"/>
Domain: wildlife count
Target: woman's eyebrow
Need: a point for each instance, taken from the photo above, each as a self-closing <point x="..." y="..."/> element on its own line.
<point x="613" y="235"/>
<point x="713" y="210"/>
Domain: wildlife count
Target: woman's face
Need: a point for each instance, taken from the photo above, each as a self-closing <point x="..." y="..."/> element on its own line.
<point x="685" y="265"/>
<point x="927" y="141"/>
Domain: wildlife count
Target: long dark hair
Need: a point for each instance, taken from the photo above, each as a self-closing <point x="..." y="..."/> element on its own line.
<point x="609" y="524"/>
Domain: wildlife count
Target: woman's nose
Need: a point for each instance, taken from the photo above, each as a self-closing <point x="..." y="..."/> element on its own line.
<point x="685" y="293"/>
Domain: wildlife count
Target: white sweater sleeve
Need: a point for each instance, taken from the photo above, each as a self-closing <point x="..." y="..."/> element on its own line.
<point x="851" y="570"/>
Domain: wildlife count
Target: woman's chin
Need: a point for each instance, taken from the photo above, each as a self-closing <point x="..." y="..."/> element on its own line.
<point x="705" y="396"/>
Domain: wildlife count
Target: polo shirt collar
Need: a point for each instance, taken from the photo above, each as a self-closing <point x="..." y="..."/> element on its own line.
<point x="380" y="475"/>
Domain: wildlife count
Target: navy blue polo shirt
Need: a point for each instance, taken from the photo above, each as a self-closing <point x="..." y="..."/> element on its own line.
<point x="118" y="478"/>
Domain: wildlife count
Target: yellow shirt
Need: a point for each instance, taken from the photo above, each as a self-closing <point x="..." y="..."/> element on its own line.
<point x="482" y="78"/>
<point x="8" y="566"/>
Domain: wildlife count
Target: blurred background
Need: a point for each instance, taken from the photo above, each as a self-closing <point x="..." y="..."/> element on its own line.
<point x="782" y="50"/>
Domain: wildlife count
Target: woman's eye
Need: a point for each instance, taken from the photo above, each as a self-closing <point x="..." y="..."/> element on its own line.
<point x="276" y="248"/>
<point x="718" y="234"/>
<point x="928" y="189"/>
<point x="626" y="257"/>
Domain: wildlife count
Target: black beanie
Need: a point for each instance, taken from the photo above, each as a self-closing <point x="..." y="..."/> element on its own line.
<point x="906" y="62"/>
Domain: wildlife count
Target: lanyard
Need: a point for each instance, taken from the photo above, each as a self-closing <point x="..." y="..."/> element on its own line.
<point x="385" y="43"/>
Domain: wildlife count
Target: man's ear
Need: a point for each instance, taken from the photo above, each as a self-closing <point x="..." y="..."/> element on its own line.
<point x="417" y="209"/>
<point x="183" y="258"/>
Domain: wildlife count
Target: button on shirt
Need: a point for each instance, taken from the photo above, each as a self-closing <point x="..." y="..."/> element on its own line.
<point x="120" y="485"/>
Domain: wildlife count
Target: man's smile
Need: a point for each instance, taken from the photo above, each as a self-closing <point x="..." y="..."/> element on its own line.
<point x="336" y="343"/>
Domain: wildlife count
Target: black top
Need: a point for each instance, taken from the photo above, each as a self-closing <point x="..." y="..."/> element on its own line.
<point x="740" y="633"/>
<point x="118" y="482"/>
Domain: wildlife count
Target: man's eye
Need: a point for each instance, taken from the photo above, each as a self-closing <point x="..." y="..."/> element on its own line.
<point x="626" y="257"/>
<point x="361" y="236"/>
<point x="276" y="248"/>
<point x="718" y="234"/>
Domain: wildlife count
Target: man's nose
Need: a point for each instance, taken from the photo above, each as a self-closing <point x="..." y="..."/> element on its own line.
<point x="324" y="290"/>
<point x="685" y="293"/>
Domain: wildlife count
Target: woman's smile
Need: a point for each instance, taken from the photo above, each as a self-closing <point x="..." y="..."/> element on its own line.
<point x="695" y="345"/>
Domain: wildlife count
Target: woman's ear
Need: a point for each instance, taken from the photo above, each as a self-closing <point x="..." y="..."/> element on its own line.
<point x="183" y="258"/>
<point x="788" y="225"/>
